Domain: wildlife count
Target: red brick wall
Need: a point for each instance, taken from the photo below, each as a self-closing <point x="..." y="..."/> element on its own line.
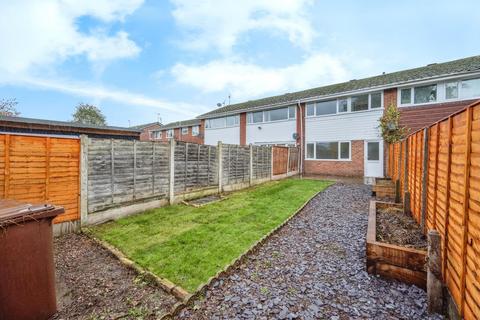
<point x="145" y="135"/>
<point x="340" y="168"/>
<point x="243" y="129"/>
<point x="178" y="136"/>
<point x="390" y="97"/>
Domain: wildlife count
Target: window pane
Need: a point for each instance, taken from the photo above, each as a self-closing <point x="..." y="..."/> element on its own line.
<point x="257" y="117"/>
<point x="184" y="131"/>
<point x="373" y="151"/>
<point x="375" y="100"/>
<point x="425" y="94"/>
<point x="406" y="96"/>
<point x="470" y="88"/>
<point x="360" y="103"/>
<point x="343" y="105"/>
<point x="344" y="150"/>
<point x="232" y="121"/>
<point x="195" y="130"/>
<point x="291" y="112"/>
<point x="216" y="123"/>
<point x="310" y="147"/>
<point x="326" y="107"/>
<point x="451" y="90"/>
<point x="310" y="109"/>
<point x="327" y="150"/>
<point x="277" y="114"/>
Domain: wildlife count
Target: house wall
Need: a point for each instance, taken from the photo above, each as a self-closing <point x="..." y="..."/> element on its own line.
<point x="353" y="167"/>
<point x="178" y="136"/>
<point x="280" y="132"/>
<point x="145" y="135"/>
<point x="230" y="135"/>
<point x="351" y="126"/>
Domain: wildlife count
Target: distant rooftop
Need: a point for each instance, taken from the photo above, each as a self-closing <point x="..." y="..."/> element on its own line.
<point x="179" y="124"/>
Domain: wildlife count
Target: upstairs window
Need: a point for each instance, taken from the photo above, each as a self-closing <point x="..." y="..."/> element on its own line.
<point x="425" y="94"/>
<point x="470" y="88"/>
<point x="170" y="133"/>
<point x="184" y="131"/>
<point x="232" y="121"/>
<point x="195" y="130"/>
<point x="451" y="90"/>
<point x="155" y="135"/>
<point x="376" y="100"/>
<point x="326" y="107"/>
<point x="360" y="103"/>
<point x="279" y="114"/>
<point x="223" y="122"/>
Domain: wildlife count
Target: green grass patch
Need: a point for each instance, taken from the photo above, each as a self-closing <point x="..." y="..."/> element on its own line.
<point x="188" y="245"/>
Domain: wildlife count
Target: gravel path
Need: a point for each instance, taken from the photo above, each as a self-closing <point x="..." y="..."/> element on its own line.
<point x="313" y="268"/>
<point x="92" y="284"/>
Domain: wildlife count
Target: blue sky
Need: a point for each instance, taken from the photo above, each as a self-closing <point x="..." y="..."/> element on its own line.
<point x="136" y="59"/>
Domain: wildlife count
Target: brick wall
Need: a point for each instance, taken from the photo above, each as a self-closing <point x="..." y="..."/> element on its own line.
<point x="390" y="97"/>
<point x="354" y="167"/>
<point x="178" y="136"/>
<point x="243" y="129"/>
<point x="145" y="135"/>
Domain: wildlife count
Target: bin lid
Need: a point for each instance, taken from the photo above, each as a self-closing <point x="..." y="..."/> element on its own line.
<point x="14" y="212"/>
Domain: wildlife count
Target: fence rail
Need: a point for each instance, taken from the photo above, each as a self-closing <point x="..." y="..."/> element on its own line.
<point x="439" y="170"/>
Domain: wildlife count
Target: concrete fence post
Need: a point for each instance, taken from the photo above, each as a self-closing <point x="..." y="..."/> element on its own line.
<point x="171" y="167"/>
<point x="251" y="165"/>
<point x="83" y="179"/>
<point x="220" y="166"/>
<point x="434" y="273"/>
<point x="424" y="179"/>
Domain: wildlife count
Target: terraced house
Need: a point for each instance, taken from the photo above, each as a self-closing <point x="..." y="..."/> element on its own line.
<point x="186" y="131"/>
<point x="337" y="125"/>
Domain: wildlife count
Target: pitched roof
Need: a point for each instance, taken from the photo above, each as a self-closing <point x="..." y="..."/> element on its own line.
<point x="32" y="123"/>
<point x="145" y="125"/>
<point x="465" y="65"/>
<point x="179" y="124"/>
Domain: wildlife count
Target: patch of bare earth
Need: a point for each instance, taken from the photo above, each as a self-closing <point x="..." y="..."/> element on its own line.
<point x="395" y="227"/>
<point x="93" y="284"/>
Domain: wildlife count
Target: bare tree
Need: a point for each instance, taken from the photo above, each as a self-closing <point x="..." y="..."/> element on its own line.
<point x="8" y="107"/>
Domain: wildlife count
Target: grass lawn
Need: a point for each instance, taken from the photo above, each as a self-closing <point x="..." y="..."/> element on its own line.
<point x="188" y="245"/>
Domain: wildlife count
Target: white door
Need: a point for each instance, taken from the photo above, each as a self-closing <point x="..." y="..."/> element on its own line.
<point x="373" y="158"/>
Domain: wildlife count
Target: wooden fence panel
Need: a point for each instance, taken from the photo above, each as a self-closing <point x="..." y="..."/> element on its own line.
<point x="41" y="169"/>
<point x="262" y="162"/>
<point x="452" y="199"/>
<point x="280" y="160"/>
<point x="293" y="159"/>
<point x="236" y="164"/>
<point x="472" y="252"/>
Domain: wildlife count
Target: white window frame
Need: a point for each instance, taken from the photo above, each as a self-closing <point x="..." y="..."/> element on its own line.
<point x="349" y="105"/>
<point x="339" y="150"/>
<point x="155" y="134"/>
<point x="264" y="115"/>
<point x="195" y="130"/>
<point x="169" y="133"/>
<point x="184" y="131"/>
<point x="224" y="119"/>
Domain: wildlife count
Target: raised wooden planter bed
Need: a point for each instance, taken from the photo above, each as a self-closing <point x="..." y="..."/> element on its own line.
<point x="392" y="261"/>
<point x="384" y="188"/>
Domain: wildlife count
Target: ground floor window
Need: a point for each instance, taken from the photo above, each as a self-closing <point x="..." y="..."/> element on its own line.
<point x="335" y="150"/>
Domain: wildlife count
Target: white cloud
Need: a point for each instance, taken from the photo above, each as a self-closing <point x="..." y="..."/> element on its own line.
<point x="123" y="97"/>
<point x="219" y="24"/>
<point x="245" y="80"/>
<point x="41" y="33"/>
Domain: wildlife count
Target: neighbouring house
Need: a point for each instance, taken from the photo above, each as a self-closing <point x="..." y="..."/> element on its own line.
<point x="186" y="131"/>
<point x="337" y="125"/>
<point x="150" y="131"/>
<point x="21" y="125"/>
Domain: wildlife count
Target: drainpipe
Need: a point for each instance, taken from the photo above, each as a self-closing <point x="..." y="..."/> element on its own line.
<point x="301" y="137"/>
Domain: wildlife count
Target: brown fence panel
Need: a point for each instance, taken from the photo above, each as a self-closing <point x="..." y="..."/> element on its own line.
<point x="41" y="169"/>
<point x="452" y="197"/>
<point x="293" y="159"/>
<point x="280" y="160"/>
<point x="472" y="249"/>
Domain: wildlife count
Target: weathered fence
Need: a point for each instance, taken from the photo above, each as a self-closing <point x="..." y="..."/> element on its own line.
<point x="123" y="173"/>
<point x="41" y="169"/>
<point x="285" y="159"/>
<point x="439" y="170"/>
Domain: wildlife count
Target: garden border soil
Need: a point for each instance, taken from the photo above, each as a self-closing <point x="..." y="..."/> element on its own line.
<point x="393" y="261"/>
